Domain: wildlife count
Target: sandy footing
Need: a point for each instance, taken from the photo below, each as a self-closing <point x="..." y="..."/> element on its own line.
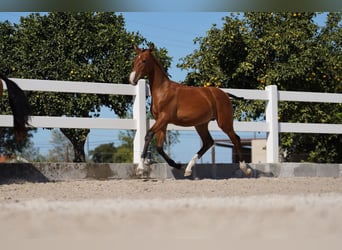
<point x="265" y="213"/>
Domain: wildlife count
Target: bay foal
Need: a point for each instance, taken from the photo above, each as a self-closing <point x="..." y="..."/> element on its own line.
<point x="184" y="106"/>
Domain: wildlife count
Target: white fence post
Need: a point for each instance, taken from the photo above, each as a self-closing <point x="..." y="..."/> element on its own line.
<point x="272" y="144"/>
<point x="139" y="115"/>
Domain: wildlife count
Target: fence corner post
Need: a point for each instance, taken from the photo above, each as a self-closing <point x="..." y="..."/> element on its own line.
<point x="272" y="144"/>
<point x="139" y="115"/>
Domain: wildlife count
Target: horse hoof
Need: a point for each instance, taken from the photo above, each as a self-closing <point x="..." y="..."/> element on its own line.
<point x="139" y="172"/>
<point x="245" y="169"/>
<point x="187" y="173"/>
<point x="249" y="172"/>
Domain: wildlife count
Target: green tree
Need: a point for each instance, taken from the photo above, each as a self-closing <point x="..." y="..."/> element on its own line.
<point x="8" y="144"/>
<point x="62" y="150"/>
<point x="103" y="153"/>
<point x="124" y="152"/>
<point x="32" y="153"/>
<point x="76" y="47"/>
<point x="285" y="49"/>
<point x="109" y="153"/>
<point x="83" y="46"/>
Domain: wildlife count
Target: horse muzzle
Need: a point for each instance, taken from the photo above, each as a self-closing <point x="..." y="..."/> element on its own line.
<point x="133" y="79"/>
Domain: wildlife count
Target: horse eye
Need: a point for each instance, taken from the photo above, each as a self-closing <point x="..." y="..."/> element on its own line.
<point x="144" y="61"/>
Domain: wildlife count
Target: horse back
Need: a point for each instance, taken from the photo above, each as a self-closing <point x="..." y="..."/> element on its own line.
<point x="210" y="96"/>
<point x="197" y="105"/>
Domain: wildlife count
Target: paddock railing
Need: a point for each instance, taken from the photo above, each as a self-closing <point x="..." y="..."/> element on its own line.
<point x="271" y="126"/>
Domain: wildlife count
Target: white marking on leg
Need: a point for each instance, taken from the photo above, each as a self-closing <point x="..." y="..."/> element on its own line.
<point x="245" y="169"/>
<point x="191" y="163"/>
<point x="140" y="168"/>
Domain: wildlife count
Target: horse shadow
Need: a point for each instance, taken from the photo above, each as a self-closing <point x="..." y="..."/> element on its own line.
<point x="11" y="173"/>
<point x="218" y="171"/>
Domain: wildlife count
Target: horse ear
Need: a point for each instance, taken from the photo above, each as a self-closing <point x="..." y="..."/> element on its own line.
<point x="137" y="49"/>
<point x="151" y="47"/>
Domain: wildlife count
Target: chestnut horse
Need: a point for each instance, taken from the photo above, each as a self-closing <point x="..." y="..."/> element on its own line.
<point x="19" y="105"/>
<point x="184" y="106"/>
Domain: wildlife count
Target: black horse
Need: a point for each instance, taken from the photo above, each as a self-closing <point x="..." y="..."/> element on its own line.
<point x="19" y="105"/>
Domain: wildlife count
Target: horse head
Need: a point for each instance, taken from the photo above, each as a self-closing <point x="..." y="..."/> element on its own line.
<point x="142" y="64"/>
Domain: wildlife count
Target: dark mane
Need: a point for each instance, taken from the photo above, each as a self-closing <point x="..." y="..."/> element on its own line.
<point x="159" y="64"/>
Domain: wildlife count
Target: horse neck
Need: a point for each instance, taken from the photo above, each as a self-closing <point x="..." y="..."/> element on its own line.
<point x="158" y="77"/>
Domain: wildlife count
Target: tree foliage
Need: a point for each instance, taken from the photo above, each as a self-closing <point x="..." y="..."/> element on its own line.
<point x="103" y="153"/>
<point x="83" y="46"/>
<point x="287" y="49"/>
<point x="8" y="143"/>
<point x="32" y="153"/>
<point x="108" y="153"/>
<point x="124" y="152"/>
<point x="62" y="150"/>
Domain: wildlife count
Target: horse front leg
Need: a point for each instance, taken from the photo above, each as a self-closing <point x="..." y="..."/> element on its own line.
<point x="160" y="141"/>
<point x="141" y="165"/>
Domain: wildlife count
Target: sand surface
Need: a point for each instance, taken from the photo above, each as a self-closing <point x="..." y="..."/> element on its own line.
<point x="265" y="213"/>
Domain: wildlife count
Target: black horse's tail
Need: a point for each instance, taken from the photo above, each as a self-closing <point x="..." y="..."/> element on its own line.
<point x="231" y="95"/>
<point x="235" y="97"/>
<point x="20" y="107"/>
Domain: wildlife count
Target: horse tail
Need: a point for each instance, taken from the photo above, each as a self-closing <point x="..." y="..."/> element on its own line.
<point x="235" y="97"/>
<point x="20" y="107"/>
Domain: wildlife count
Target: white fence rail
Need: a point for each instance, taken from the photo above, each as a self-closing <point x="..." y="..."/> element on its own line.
<point x="140" y="123"/>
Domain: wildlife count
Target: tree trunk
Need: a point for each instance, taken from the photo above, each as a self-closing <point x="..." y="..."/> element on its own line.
<point x="77" y="137"/>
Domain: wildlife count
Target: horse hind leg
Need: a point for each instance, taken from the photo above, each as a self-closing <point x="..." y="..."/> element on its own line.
<point x="237" y="145"/>
<point x="207" y="142"/>
<point x="242" y="164"/>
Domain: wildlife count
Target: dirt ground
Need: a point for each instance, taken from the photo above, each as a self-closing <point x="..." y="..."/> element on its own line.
<point x="264" y="213"/>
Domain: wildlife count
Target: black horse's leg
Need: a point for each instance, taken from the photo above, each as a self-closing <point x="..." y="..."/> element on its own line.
<point x="207" y="140"/>
<point x="148" y="138"/>
<point x="160" y="141"/>
<point x="159" y="125"/>
<point x="237" y="145"/>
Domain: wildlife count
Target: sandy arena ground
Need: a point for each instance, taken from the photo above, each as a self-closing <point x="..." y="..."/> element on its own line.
<point x="265" y="213"/>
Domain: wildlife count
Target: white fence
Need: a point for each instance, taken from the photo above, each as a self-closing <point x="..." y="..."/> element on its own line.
<point x="140" y="123"/>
